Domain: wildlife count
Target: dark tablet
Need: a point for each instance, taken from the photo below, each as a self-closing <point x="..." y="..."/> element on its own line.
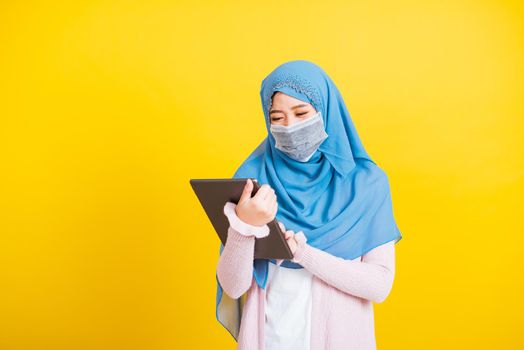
<point x="213" y="195"/>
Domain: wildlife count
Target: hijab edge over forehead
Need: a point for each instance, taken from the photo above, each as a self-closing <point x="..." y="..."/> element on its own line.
<point x="290" y="92"/>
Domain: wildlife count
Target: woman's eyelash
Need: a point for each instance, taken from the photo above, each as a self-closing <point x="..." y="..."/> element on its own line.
<point x="275" y="119"/>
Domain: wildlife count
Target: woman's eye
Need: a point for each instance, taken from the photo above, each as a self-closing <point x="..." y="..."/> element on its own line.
<point x="276" y="119"/>
<point x="302" y="113"/>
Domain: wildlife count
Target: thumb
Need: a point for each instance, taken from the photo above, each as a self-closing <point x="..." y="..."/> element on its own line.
<point x="246" y="194"/>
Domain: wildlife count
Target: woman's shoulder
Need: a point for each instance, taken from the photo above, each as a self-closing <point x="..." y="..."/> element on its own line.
<point x="371" y="173"/>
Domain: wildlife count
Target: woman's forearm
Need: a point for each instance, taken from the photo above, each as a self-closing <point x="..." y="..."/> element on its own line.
<point x="235" y="265"/>
<point x="371" y="279"/>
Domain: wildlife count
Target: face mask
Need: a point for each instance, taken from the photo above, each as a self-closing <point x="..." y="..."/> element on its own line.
<point x="300" y="140"/>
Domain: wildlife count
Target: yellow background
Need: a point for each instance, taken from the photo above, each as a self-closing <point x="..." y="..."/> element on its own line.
<point x="108" y="108"/>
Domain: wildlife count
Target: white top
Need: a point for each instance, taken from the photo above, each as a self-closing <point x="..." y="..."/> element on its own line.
<point x="288" y="308"/>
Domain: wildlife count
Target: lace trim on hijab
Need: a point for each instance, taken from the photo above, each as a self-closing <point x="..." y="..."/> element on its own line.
<point x="297" y="83"/>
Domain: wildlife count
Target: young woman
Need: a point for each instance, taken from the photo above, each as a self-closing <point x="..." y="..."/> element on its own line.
<point x="338" y="201"/>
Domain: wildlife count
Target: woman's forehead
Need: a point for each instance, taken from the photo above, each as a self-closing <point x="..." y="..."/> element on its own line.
<point x="281" y="97"/>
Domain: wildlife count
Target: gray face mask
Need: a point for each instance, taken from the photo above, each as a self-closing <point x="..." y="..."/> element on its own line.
<point x="300" y="140"/>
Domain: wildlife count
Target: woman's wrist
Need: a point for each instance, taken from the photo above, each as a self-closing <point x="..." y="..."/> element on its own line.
<point x="242" y="227"/>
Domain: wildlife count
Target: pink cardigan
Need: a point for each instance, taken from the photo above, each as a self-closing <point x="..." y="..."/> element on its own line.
<point x="342" y="290"/>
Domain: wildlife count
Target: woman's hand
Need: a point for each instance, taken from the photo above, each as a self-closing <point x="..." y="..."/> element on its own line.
<point x="290" y="238"/>
<point x="259" y="209"/>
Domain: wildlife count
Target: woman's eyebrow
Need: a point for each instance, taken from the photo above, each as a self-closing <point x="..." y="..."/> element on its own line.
<point x="297" y="106"/>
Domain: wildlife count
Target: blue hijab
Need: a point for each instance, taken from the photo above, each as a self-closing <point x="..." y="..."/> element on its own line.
<point x="339" y="198"/>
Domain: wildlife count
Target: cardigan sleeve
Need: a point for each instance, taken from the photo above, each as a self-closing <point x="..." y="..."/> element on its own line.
<point x="371" y="278"/>
<point x="235" y="264"/>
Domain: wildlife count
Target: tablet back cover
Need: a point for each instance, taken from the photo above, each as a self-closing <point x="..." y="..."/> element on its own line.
<point x="213" y="195"/>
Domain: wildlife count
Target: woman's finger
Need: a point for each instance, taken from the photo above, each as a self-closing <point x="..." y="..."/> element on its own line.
<point x="293" y="245"/>
<point x="270" y="200"/>
<point x="273" y="208"/>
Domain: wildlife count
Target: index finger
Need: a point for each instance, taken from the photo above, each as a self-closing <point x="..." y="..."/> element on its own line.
<point x="263" y="191"/>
